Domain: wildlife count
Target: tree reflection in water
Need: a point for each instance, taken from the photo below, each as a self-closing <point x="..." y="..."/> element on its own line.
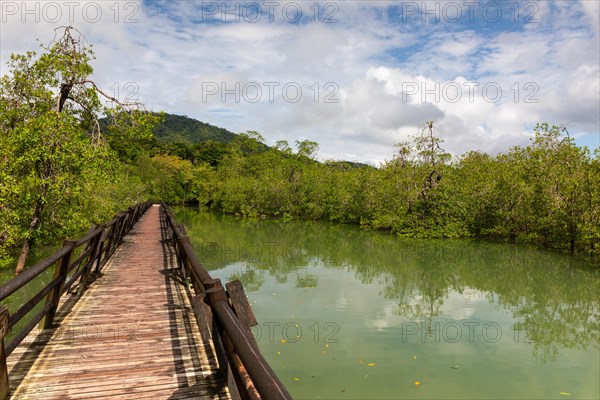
<point x="553" y="297"/>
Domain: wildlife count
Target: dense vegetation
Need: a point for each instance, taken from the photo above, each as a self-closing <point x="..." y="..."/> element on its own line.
<point x="69" y="159"/>
<point x="547" y="193"/>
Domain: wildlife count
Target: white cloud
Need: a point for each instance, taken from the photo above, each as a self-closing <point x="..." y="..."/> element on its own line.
<point x="592" y="10"/>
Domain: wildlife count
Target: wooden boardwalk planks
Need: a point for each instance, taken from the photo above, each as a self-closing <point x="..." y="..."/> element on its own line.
<point x="131" y="335"/>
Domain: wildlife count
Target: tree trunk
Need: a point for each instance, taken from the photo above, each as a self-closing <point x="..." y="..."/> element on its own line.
<point x="572" y="246"/>
<point x="572" y="233"/>
<point x="23" y="256"/>
<point x="35" y="222"/>
<point x="65" y="90"/>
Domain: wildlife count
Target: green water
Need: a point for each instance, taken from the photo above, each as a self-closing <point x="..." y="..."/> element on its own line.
<point x="351" y="314"/>
<point x="38" y="253"/>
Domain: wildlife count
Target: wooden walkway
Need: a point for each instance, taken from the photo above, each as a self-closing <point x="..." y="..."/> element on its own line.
<point x="131" y="335"/>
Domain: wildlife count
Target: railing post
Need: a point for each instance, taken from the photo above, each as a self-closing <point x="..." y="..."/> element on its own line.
<point x="4" y="325"/>
<point x="122" y="228"/>
<point x="54" y="296"/>
<point x="109" y="237"/>
<point x="177" y="244"/>
<point x="136" y="215"/>
<point x="128" y="217"/>
<point x="97" y="253"/>
<point x="181" y="228"/>
<point x="99" y="256"/>
<point x="139" y="210"/>
<point x="116" y="234"/>
<point x="215" y="292"/>
<point x="91" y="258"/>
<point x="131" y="216"/>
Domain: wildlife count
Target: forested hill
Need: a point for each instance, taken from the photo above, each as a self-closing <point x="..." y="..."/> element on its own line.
<point x="182" y="129"/>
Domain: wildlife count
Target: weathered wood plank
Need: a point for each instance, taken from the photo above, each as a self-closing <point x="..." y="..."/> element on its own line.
<point x="131" y="335"/>
<point x="240" y="304"/>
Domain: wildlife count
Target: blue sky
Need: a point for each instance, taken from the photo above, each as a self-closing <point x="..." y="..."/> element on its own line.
<point x="355" y="76"/>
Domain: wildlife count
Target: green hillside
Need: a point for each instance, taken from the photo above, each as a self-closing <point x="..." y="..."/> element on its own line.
<point x="182" y="129"/>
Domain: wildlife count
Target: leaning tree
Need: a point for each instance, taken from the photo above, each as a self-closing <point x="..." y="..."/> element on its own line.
<point x="50" y="138"/>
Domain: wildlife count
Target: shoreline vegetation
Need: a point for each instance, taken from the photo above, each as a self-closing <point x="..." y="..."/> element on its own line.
<point x="72" y="155"/>
<point x="546" y="194"/>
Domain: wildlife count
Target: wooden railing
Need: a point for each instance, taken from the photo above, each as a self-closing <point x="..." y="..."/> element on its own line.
<point x="75" y="260"/>
<point x="225" y="317"/>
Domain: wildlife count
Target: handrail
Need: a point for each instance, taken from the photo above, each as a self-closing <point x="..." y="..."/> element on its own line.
<point x="101" y="242"/>
<point x="30" y="273"/>
<point x="234" y="334"/>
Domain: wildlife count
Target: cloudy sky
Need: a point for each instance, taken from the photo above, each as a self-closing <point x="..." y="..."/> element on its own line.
<point x="354" y="76"/>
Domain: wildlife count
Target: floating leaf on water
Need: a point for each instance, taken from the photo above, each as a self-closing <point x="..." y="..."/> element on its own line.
<point x="371" y="364"/>
<point x="414" y="357"/>
<point x="457" y="366"/>
<point x="361" y="361"/>
<point x="565" y="393"/>
<point x="296" y="379"/>
<point x="342" y="391"/>
<point x="278" y="353"/>
<point x="417" y="383"/>
<point x="283" y="340"/>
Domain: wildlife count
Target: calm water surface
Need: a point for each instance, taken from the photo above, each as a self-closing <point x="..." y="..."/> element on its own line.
<point x="351" y="314"/>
